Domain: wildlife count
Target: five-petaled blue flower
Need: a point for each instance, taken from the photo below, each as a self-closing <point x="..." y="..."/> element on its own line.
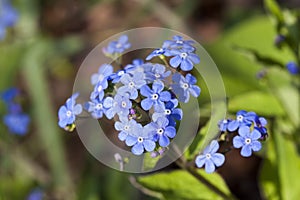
<point x="158" y="52"/>
<point x="155" y="96"/>
<point x="67" y="113"/>
<point x="17" y="123"/>
<point x="132" y="84"/>
<point x="125" y="126"/>
<point x="293" y="68"/>
<point x="8" y="17"/>
<point x="179" y="43"/>
<point x="161" y="131"/>
<point x="243" y="118"/>
<point x="140" y="140"/>
<point x="118" y="105"/>
<point x="184" y="86"/>
<point x="8" y="95"/>
<point x="186" y="59"/>
<point x="96" y="108"/>
<point x="156" y="72"/>
<point x="223" y="125"/>
<point x="247" y="140"/>
<point x="210" y="158"/>
<point x="170" y="111"/>
<point x="103" y="74"/>
<point x="117" y="46"/>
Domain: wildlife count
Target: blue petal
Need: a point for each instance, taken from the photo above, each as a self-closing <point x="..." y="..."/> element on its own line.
<point x="157" y="86"/>
<point x="213" y="147"/>
<point x="146" y="104"/>
<point x="149" y="145"/>
<point x="233" y="125"/>
<point x="164" y="141"/>
<point x="200" y="160"/>
<point x="170" y="132"/>
<point x="137" y="149"/>
<point x="244" y="131"/>
<point x="146" y="91"/>
<point x="77" y="109"/>
<point x="194" y="58"/>
<point x="175" y="61"/>
<point x="255" y="134"/>
<point x="218" y="159"/>
<point x="119" y="126"/>
<point x="246" y="151"/>
<point x="122" y="136"/>
<point x="131" y="140"/>
<point x="256" y="145"/>
<point x="195" y="90"/>
<point x="209" y="166"/>
<point x="186" y="65"/>
<point x="165" y="96"/>
<point x="238" y="142"/>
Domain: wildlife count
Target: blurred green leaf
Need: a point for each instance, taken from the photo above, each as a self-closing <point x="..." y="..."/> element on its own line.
<point x="275" y="11"/>
<point x="180" y="185"/>
<point x="261" y="102"/>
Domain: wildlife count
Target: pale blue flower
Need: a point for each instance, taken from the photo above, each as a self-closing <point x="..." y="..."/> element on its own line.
<point x="118" y="105"/>
<point x="131" y="84"/>
<point x="184" y="59"/>
<point x="118" y="46"/>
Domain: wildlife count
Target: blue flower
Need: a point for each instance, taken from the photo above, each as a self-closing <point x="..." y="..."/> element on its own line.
<point x="140" y="140"/>
<point x="155" y="96"/>
<point x="292" y="67"/>
<point x="99" y="88"/>
<point x="184" y="86"/>
<point x="131" y="84"/>
<point x="186" y="59"/>
<point x="210" y="158"/>
<point x="118" y="105"/>
<point x="161" y="131"/>
<point x="96" y="108"/>
<point x="117" y="46"/>
<point x="36" y="194"/>
<point x="126" y="127"/>
<point x="156" y="52"/>
<point x="67" y="113"/>
<point x="243" y="118"/>
<point x="103" y="74"/>
<point x="156" y="72"/>
<point x="179" y="43"/>
<point x="247" y="140"/>
<point x="17" y="123"/>
<point x="8" y="95"/>
<point x="169" y="111"/>
<point x="223" y="124"/>
<point x="260" y="125"/>
<point x="8" y="17"/>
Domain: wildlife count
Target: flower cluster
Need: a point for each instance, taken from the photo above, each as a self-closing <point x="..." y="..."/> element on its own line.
<point x="250" y="128"/>
<point x="143" y="97"/>
<point x="8" y="17"/>
<point x="16" y="120"/>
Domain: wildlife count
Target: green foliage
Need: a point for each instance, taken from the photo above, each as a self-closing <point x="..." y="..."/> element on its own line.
<point x="180" y="185"/>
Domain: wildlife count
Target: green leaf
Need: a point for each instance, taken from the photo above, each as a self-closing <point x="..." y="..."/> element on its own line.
<point x="288" y="161"/>
<point x="261" y="102"/>
<point x="180" y="185"/>
<point x="274" y="9"/>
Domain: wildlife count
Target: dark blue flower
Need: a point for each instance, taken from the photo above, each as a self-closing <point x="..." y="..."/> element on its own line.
<point x="117" y="46"/>
<point x="260" y="125"/>
<point x="67" y="113"/>
<point x="247" y="140"/>
<point x="161" y="131"/>
<point x="155" y="96"/>
<point x="158" y="52"/>
<point x="184" y="59"/>
<point x="118" y="105"/>
<point x="169" y="111"/>
<point x="223" y="125"/>
<point x="243" y="118"/>
<point x="8" y="17"/>
<point x="132" y="84"/>
<point x="292" y="67"/>
<point x="9" y="95"/>
<point x="17" y="123"/>
<point x="184" y="86"/>
<point x="36" y="194"/>
<point x="140" y="140"/>
<point x="210" y="158"/>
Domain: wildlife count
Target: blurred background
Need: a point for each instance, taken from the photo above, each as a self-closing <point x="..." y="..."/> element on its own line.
<point x="41" y="54"/>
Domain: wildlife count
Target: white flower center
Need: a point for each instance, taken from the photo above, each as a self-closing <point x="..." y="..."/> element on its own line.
<point x="160" y="131"/>
<point x="140" y="139"/>
<point x="69" y="113"/>
<point x="240" y="118"/>
<point x="99" y="88"/>
<point x="123" y="104"/>
<point x="225" y="121"/>
<point x="183" y="55"/>
<point x="120" y="73"/>
<point x="208" y="156"/>
<point x="179" y="42"/>
<point x="99" y="106"/>
<point x="247" y="140"/>
<point x="131" y="84"/>
<point x="154" y="96"/>
<point x="167" y="111"/>
<point x="160" y="51"/>
<point x="119" y="45"/>
<point x="185" y="86"/>
<point x="157" y="75"/>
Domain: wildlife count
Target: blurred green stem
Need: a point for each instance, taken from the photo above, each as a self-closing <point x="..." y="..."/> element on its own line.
<point x="44" y="117"/>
